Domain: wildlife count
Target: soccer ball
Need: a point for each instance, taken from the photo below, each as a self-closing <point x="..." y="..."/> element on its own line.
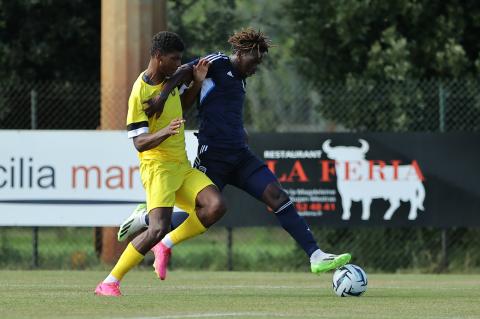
<point x="349" y="280"/>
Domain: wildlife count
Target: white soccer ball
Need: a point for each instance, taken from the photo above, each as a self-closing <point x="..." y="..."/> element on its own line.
<point x="349" y="280"/>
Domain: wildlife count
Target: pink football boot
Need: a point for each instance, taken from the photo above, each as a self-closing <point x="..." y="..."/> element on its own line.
<point x="162" y="256"/>
<point x="108" y="289"/>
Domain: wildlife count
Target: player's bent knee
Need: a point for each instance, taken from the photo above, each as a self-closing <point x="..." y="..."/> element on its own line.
<point x="213" y="210"/>
<point x="274" y="195"/>
<point x="210" y="206"/>
<point x="217" y="206"/>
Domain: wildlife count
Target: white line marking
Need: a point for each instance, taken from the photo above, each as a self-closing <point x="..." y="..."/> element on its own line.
<point x="215" y="315"/>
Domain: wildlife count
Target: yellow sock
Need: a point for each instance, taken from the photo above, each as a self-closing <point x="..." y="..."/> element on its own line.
<point x="129" y="259"/>
<point x="191" y="227"/>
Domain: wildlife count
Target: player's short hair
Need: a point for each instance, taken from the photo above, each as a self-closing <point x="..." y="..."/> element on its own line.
<point x="249" y="40"/>
<point x="166" y="42"/>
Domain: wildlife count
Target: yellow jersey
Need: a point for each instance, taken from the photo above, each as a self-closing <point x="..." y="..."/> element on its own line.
<point x="171" y="149"/>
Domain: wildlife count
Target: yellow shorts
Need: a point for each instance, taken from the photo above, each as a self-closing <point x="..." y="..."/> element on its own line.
<point x="169" y="184"/>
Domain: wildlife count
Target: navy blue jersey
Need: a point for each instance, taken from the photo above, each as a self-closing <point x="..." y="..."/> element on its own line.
<point x="221" y="105"/>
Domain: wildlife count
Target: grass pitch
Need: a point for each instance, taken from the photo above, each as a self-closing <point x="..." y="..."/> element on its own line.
<point x="69" y="294"/>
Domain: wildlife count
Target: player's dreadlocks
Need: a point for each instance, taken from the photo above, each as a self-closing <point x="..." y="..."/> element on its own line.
<point x="166" y="42"/>
<point x="248" y="40"/>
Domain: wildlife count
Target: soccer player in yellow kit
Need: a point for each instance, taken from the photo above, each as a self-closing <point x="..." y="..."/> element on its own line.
<point x="167" y="175"/>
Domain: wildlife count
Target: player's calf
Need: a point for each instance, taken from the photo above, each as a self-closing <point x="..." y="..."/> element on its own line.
<point x="138" y="221"/>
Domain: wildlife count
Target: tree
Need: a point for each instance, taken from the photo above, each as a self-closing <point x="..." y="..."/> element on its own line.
<point x="387" y="39"/>
<point x="362" y="44"/>
<point x="53" y="47"/>
<point x="204" y="25"/>
<point x="50" y="40"/>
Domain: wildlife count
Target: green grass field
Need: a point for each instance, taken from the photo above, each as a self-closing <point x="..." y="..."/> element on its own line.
<point x="69" y="294"/>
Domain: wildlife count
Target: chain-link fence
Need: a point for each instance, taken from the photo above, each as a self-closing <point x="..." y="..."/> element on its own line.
<point x="275" y="103"/>
<point x="293" y="106"/>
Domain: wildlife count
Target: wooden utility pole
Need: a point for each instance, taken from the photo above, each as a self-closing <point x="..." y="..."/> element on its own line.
<point x="127" y="29"/>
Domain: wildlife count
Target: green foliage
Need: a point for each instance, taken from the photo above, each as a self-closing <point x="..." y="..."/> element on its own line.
<point x="50" y="40"/>
<point x="45" y="41"/>
<point x="204" y="25"/>
<point x="386" y="40"/>
<point x="375" y="48"/>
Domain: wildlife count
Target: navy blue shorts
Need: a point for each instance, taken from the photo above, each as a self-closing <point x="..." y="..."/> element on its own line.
<point x="238" y="167"/>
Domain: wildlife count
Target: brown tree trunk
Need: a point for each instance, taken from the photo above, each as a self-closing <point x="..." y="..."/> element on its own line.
<point x="127" y="29"/>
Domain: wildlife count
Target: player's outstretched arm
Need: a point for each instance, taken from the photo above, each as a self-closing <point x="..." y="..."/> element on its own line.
<point x="155" y="105"/>
<point x="147" y="141"/>
<point x="200" y="71"/>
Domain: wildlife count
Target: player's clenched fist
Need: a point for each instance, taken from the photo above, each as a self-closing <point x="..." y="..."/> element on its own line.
<point x="174" y="127"/>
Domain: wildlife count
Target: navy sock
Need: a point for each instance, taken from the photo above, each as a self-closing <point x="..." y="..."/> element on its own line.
<point x="296" y="226"/>
<point x="177" y="219"/>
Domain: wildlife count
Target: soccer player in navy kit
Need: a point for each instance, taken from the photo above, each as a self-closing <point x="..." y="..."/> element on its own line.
<point x="223" y="153"/>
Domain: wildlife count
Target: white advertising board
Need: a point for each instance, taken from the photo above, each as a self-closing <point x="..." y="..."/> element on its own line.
<point x="70" y="178"/>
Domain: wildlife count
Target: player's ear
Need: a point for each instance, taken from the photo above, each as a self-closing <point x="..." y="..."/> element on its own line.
<point x="162" y="59"/>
